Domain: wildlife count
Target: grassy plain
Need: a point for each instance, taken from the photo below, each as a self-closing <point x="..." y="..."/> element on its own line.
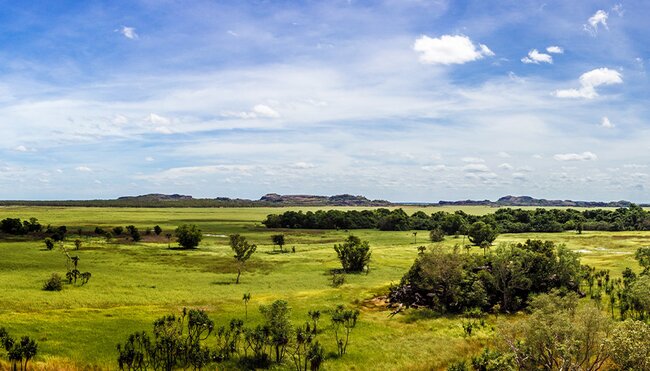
<point x="133" y="284"/>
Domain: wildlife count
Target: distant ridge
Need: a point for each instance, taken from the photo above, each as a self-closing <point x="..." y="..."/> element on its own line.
<point x="277" y="200"/>
<point x="521" y="201"/>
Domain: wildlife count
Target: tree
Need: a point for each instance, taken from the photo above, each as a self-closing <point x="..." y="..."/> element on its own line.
<point x="343" y="320"/>
<point x="278" y="321"/>
<point x="481" y="232"/>
<point x="77" y="244"/>
<point x="278" y="239"/>
<point x="157" y="230"/>
<point x="642" y="255"/>
<point x="437" y="235"/>
<point x="54" y="283"/>
<point x="49" y="243"/>
<point x="243" y="251"/>
<point x="188" y="236"/>
<point x="629" y="346"/>
<point x="354" y="254"/>
<point x="118" y="231"/>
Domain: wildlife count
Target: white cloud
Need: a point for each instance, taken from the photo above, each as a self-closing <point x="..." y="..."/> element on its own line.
<point x="503" y="154"/>
<point x="618" y="9"/>
<point x="129" y="32"/>
<point x="476" y="168"/>
<point x="149" y="159"/>
<point x="163" y="130"/>
<point x="449" y="49"/>
<point x="538" y="157"/>
<point x="505" y="166"/>
<point x="303" y="165"/>
<point x="599" y="18"/>
<point x="472" y="159"/>
<point x="584" y="156"/>
<point x="21" y="148"/>
<point x="634" y="166"/>
<point x="555" y="49"/>
<point x="263" y="110"/>
<point x="534" y="56"/>
<point x="157" y="119"/>
<point x="435" y="168"/>
<point x="589" y="81"/>
<point x="604" y="122"/>
<point x="83" y="169"/>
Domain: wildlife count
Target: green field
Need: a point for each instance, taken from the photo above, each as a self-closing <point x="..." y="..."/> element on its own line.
<point x="133" y="284"/>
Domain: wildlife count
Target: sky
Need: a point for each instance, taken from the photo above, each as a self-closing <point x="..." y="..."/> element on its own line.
<point x="404" y="100"/>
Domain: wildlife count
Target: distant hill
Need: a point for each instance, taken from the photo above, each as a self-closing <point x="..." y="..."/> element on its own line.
<point x="277" y="200"/>
<point x="521" y="201"/>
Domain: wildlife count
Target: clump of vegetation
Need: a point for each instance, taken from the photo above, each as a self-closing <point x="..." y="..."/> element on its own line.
<point x="354" y="254"/>
<point x="188" y="235"/>
<point x="278" y="240"/>
<point x="134" y="233"/>
<point x="49" y="243"/>
<point x="17" y="227"/>
<point x="54" y="283"/>
<point x="436" y="235"/>
<point x="343" y="321"/>
<point x="338" y="279"/>
<point x="453" y="282"/>
<point x="20" y="352"/>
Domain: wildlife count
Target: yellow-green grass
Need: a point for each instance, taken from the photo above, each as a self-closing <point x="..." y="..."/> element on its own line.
<point x="133" y="284"/>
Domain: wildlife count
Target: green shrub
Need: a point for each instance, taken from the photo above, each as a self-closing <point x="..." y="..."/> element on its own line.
<point x="54" y="283"/>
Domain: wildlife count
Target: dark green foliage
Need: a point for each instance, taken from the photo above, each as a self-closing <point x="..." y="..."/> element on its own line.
<point x="354" y="254"/>
<point x="133" y="232"/>
<point x="278" y="239"/>
<point x="505" y="220"/>
<point x="242" y="249"/>
<point x="59" y="233"/>
<point x="157" y="230"/>
<point x="49" y="243"/>
<point x="117" y="231"/>
<point x="188" y="235"/>
<point x="99" y="231"/>
<point x="642" y="255"/>
<point x="338" y="279"/>
<point x="453" y="282"/>
<point x="437" y="235"/>
<point x="481" y="233"/>
<point x="77" y="244"/>
<point x="54" y="283"/>
<point x="20" y="352"/>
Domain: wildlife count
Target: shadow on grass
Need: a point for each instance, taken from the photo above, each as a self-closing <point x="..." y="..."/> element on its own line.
<point x="224" y="283"/>
<point x="181" y="248"/>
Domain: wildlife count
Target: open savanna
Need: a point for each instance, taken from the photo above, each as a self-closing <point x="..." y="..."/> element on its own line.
<point x="134" y="283"/>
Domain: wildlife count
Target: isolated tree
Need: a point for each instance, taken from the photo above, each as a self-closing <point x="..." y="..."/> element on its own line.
<point x="243" y="251"/>
<point x="480" y="233"/>
<point x="157" y="230"/>
<point x="49" y="243"/>
<point x="188" y="236"/>
<point x="354" y="254"/>
<point x="77" y="244"/>
<point x="278" y="239"/>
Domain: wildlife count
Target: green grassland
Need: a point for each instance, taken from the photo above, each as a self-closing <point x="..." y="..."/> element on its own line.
<point x="133" y="284"/>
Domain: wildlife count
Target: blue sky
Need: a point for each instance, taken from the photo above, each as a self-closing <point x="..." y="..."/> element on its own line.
<point x="406" y="100"/>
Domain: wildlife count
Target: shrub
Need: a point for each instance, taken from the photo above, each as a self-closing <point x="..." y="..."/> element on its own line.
<point x="188" y="236"/>
<point x="54" y="283"/>
<point x="437" y="235"/>
<point x="118" y="231"/>
<point x="49" y="243"/>
<point x="353" y="254"/>
<point x="157" y="230"/>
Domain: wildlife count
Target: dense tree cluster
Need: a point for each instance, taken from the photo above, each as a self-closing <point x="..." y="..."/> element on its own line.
<point x="451" y="282"/>
<point x="505" y="220"/>
<point x="16" y="226"/>
<point x="181" y="342"/>
<point x="19" y="352"/>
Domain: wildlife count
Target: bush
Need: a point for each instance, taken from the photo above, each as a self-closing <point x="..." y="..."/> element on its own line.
<point x="49" y="243"/>
<point x="437" y="235"/>
<point x="188" y="236"/>
<point x="353" y="254"/>
<point x="338" y="279"/>
<point x="118" y="231"/>
<point x="54" y="283"/>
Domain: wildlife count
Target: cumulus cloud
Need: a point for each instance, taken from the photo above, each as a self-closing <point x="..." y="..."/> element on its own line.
<point x="472" y="159"/>
<point x="503" y="154"/>
<point x="584" y="156"/>
<point x="129" y="32"/>
<point x="535" y="57"/>
<point x="449" y="49"/>
<point x="505" y="166"/>
<point x="599" y="18"/>
<point x="555" y="49"/>
<point x="258" y="111"/>
<point x="149" y="159"/>
<point x="604" y="122"/>
<point x="157" y="119"/>
<point x="476" y="168"/>
<point x="21" y="148"/>
<point x="589" y="81"/>
<point x="83" y="169"/>
<point x="303" y="165"/>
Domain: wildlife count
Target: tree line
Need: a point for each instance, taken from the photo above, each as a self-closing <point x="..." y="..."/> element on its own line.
<point x="506" y="220"/>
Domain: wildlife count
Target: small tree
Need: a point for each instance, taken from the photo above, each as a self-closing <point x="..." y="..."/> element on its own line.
<point x="49" y="243"/>
<point x="243" y="251"/>
<point x="278" y="239"/>
<point x="157" y="230"/>
<point x="353" y="254"/>
<point x="133" y="232"/>
<point x="278" y="321"/>
<point x="343" y="320"/>
<point x="118" y="231"/>
<point x="437" y="235"/>
<point x="480" y="233"/>
<point x="188" y="236"/>
<point x="54" y="283"/>
<point x="77" y="244"/>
